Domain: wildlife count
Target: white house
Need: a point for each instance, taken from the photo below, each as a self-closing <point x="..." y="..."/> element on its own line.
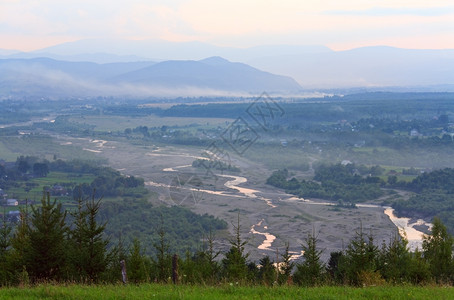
<point x="12" y="202"/>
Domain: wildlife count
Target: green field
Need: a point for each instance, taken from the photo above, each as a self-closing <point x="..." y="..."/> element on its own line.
<point x="42" y="146"/>
<point x="36" y="185"/>
<point x="226" y="291"/>
<point x="120" y="123"/>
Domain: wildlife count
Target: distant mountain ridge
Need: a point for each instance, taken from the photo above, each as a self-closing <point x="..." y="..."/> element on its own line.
<point x="114" y="50"/>
<point x="211" y="73"/>
<point x="365" y="67"/>
<point x="47" y="77"/>
<point x="314" y="67"/>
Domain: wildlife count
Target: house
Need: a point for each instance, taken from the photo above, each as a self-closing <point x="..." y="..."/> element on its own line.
<point x="346" y="162"/>
<point x="14" y="216"/>
<point x="414" y="133"/>
<point x="12" y="202"/>
<point x="58" y="190"/>
<point x="360" y="144"/>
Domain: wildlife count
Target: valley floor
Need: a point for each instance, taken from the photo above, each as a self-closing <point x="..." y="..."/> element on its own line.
<point x="269" y="218"/>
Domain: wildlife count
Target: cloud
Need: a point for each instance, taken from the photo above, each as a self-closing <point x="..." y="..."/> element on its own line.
<point x="391" y="11"/>
<point x="31" y="24"/>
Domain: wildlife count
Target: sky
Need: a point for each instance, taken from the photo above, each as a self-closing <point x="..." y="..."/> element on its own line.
<point x="34" y="24"/>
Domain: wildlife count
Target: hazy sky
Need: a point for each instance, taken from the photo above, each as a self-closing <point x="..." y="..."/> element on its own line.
<point x="338" y="24"/>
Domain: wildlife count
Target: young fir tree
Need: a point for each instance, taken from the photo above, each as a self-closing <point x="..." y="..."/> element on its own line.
<point x="438" y="251"/>
<point x="360" y="258"/>
<point x="395" y="260"/>
<point x="334" y="267"/>
<point x="5" y="238"/>
<point x="210" y="258"/>
<point x="20" y="243"/>
<point x="116" y="255"/>
<point x="191" y="268"/>
<point x="419" y="271"/>
<point x="267" y="271"/>
<point x="162" y="265"/>
<point x="235" y="262"/>
<point x="5" y="247"/>
<point x="47" y="255"/>
<point x="286" y="266"/>
<point x="137" y="264"/>
<point x="205" y="266"/>
<point x="89" y="256"/>
<point x="310" y="271"/>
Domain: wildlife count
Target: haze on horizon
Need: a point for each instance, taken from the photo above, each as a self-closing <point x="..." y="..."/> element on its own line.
<point x="27" y="25"/>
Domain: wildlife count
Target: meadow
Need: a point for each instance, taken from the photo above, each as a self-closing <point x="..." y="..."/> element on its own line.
<point x="120" y="123"/>
<point x="224" y="291"/>
<point x="36" y="185"/>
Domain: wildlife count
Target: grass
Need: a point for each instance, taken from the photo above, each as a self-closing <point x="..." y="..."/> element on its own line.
<point x="227" y="291"/>
<point x="278" y="157"/>
<point x="52" y="178"/>
<point x="41" y="146"/>
<point x="369" y="149"/>
<point x="6" y="154"/>
<point x="120" y="123"/>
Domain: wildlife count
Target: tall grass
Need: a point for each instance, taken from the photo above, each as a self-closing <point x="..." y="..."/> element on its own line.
<point x="225" y="291"/>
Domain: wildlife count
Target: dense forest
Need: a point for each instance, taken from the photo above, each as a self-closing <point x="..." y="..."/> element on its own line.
<point x="346" y="184"/>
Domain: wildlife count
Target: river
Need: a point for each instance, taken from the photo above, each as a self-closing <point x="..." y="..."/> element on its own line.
<point x="407" y="229"/>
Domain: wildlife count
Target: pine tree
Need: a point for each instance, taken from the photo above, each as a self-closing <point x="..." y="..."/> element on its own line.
<point x="48" y="231"/>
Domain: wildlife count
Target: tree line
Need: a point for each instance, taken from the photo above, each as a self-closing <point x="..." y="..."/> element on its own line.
<point x="433" y="192"/>
<point x="434" y="196"/>
<point x="342" y="183"/>
<point x="108" y="182"/>
<point x="46" y="247"/>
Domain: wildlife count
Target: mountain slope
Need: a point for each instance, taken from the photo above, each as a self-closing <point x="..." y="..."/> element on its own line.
<point x="213" y="73"/>
<point x="86" y="70"/>
<point x="44" y="77"/>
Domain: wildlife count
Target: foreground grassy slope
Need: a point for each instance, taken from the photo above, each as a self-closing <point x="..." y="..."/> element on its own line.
<point x="155" y="291"/>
